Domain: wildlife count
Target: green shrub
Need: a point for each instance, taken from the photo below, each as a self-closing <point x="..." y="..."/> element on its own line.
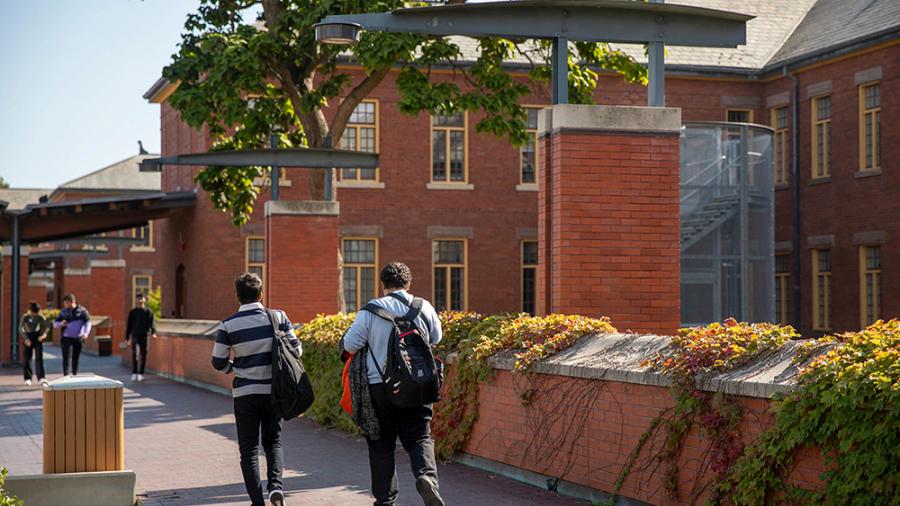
<point x="50" y="315"/>
<point x="473" y="337"/>
<point x="7" y="499"/>
<point x="154" y="302"/>
<point x="847" y="404"/>
<point x="322" y="359"/>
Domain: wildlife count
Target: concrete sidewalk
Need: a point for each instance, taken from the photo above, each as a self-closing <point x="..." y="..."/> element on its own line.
<point x="181" y="442"/>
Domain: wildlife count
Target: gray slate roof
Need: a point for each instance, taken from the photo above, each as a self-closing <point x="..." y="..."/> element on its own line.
<point x="774" y="22"/>
<point x="18" y="198"/>
<point x="834" y="23"/>
<point x="781" y="30"/>
<point x="122" y="175"/>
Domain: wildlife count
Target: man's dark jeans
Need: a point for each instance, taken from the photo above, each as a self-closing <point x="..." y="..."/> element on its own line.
<point x="70" y="345"/>
<point x="36" y="348"/>
<point x="254" y="416"/>
<point x="136" y="343"/>
<point x="411" y="425"/>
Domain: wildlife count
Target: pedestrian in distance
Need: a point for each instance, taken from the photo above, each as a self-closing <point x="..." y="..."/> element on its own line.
<point x="139" y="327"/>
<point x="33" y="328"/>
<point x="75" y="322"/>
<point x="373" y="334"/>
<point x="243" y="346"/>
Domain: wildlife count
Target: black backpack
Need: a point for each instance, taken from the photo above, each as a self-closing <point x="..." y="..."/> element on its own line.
<point x="292" y="393"/>
<point x="412" y="373"/>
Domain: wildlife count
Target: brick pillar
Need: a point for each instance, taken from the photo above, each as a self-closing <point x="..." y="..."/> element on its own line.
<point x="608" y="215"/>
<point x="6" y="299"/>
<point x="302" y="242"/>
<point x="108" y="297"/>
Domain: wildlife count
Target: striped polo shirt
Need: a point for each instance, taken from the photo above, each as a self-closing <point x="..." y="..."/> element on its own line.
<point x="248" y="335"/>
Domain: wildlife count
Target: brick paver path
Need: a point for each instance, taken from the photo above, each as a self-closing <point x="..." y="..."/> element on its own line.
<point x="180" y="440"/>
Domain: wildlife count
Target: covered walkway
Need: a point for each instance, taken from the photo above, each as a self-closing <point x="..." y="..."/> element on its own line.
<point x="180" y="440"/>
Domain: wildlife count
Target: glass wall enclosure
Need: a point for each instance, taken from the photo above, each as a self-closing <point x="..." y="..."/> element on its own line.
<point x="727" y="223"/>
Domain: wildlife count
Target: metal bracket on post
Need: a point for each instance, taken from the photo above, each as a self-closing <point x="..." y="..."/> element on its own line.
<point x="276" y="170"/>
<point x="560" y="70"/>
<point x="656" y="69"/>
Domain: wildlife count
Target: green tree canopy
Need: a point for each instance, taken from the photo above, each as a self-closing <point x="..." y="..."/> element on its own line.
<point x="245" y="82"/>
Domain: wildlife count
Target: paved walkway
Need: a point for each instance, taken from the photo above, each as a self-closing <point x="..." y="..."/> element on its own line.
<point x="180" y="440"/>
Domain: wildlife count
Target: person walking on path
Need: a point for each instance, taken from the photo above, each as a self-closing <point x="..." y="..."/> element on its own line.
<point x="75" y="322"/>
<point x="411" y="425"/>
<point x="248" y="336"/>
<point x="139" y="327"/>
<point x="33" y="328"/>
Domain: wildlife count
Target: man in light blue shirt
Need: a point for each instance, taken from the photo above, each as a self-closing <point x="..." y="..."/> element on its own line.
<point x="411" y="425"/>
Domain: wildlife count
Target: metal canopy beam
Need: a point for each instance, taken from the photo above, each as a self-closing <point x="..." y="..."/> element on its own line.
<point x="587" y="20"/>
<point x="96" y="239"/>
<point x="44" y="255"/>
<point x="623" y="21"/>
<point x="314" y="158"/>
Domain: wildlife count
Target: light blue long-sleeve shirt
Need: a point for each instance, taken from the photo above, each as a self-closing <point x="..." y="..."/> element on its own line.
<point x="369" y="329"/>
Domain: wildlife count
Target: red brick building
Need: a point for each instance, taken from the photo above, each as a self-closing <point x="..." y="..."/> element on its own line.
<point x="104" y="271"/>
<point x="461" y="207"/>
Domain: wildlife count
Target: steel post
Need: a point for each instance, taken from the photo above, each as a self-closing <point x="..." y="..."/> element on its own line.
<point x="560" y="70"/>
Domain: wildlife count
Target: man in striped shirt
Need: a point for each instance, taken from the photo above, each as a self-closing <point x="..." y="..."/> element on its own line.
<point x="247" y="336"/>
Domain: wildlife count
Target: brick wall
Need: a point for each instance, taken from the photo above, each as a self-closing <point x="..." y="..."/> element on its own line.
<point x="184" y="357"/>
<point x="107" y="295"/>
<point x="494" y="210"/>
<point x="302" y="241"/>
<point x="587" y="439"/>
<point x="26" y="294"/>
<point x="610" y="223"/>
<point x="866" y="204"/>
<point x="584" y="440"/>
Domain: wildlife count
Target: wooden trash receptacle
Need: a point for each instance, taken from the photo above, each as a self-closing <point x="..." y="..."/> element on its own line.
<point x="84" y="425"/>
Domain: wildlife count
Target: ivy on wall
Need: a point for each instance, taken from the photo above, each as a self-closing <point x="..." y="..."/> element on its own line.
<point x="846" y="403"/>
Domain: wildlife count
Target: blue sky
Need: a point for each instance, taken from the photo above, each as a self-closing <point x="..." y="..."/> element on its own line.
<point x="71" y="78"/>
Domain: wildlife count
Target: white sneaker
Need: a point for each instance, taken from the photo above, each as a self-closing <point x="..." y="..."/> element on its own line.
<point x="140" y="377"/>
<point x="276" y="497"/>
<point x="45" y="383"/>
<point x="134" y="377"/>
<point x="27" y="383"/>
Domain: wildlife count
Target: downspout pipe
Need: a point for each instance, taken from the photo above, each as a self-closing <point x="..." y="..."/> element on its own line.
<point x="795" y="195"/>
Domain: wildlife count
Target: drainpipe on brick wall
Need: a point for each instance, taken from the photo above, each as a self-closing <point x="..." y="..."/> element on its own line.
<point x="795" y="195"/>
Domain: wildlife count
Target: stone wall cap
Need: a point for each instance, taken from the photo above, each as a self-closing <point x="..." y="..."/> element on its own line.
<point x="302" y="207"/>
<point x="108" y="263"/>
<point x="186" y="328"/>
<point x="616" y="118"/>
<point x="618" y="357"/>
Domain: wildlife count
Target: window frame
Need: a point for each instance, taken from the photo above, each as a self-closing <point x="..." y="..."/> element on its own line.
<point x="785" y="137"/>
<point x="537" y="153"/>
<point x="374" y="265"/>
<point x="134" y="278"/>
<point x="358" y="181"/>
<point x="143" y="247"/>
<point x="864" y="271"/>
<point x="523" y="267"/>
<point x="247" y="263"/>
<point x="749" y="111"/>
<point x="783" y="288"/>
<point x="826" y="276"/>
<point x="448" y="129"/>
<point x="826" y="138"/>
<point x="465" y="268"/>
<point x="876" y="134"/>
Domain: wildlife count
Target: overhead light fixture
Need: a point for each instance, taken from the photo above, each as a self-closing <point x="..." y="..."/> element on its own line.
<point x="338" y="33"/>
